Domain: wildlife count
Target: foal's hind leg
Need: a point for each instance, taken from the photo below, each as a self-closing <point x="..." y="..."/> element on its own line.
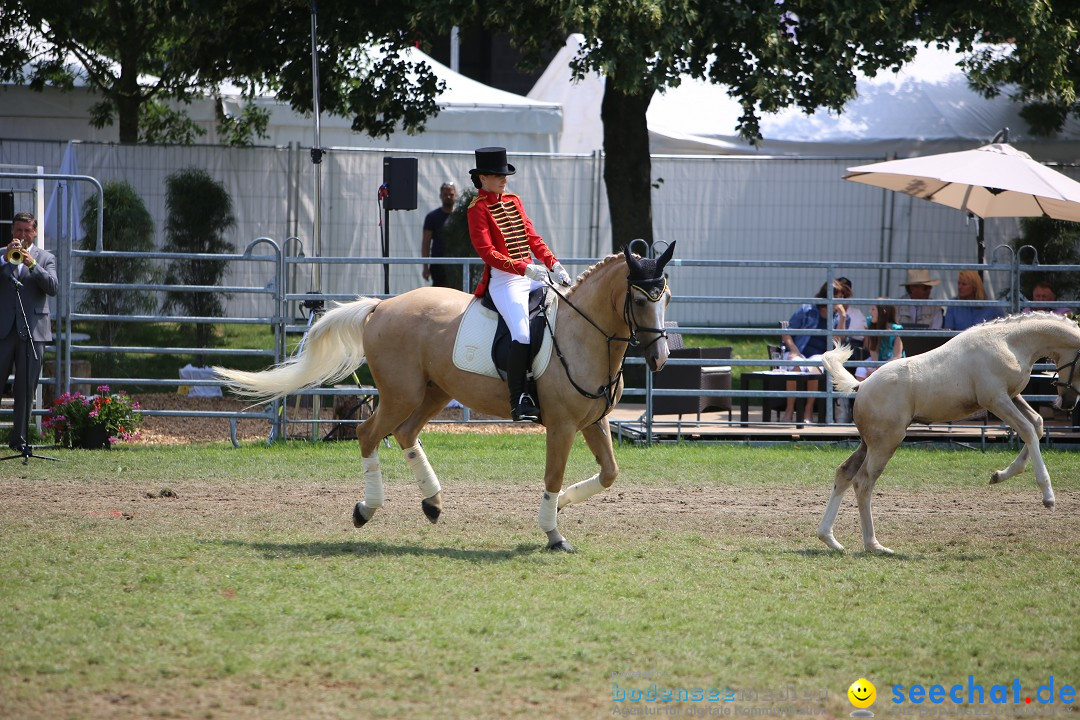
<point x="1017" y="418"/>
<point x="598" y="438"/>
<point x="407" y="435"/>
<point x="841" y="483"/>
<point x="1021" y="462"/>
<point x="878" y="455"/>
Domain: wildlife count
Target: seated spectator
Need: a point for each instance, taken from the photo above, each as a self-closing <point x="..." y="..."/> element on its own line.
<point x="969" y="286"/>
<point x="812" y="317"/>
<point x="882" y="347"/>
<point x="856" y="318"/>
<point x="919" y="285"/>
<point x="1044" y="292"/>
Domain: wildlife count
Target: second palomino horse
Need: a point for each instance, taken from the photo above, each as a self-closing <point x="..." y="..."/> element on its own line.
<point x="408" y="340"/>
<point x="984" y="367"/>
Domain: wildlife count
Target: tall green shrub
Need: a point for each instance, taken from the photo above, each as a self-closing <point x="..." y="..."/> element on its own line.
<point x="200" y="213"/>
<point x="1058" y="243"/>
<point x="128" y="227"/>
<point x="458" y="244"/>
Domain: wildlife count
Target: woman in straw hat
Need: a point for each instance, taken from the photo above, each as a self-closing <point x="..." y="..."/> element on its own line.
<point x="505" y="240"/>
<point x="919" y="285"/>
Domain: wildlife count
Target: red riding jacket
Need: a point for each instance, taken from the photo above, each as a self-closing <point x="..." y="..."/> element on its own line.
<point x="503" y="236"/>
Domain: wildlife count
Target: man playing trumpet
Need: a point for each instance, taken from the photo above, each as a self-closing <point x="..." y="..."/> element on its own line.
<point x="27" y="279"/>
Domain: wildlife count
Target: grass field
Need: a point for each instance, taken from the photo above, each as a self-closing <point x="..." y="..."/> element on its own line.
<point x="210" y="582"/>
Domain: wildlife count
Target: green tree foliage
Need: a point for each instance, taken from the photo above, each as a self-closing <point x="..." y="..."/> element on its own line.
<point x="128" y="227"/>
<point x="147" y="58"/>
<point x="1057" y="243"/>
<point x="200" y="213"/>
<point x="1031" y="52"/>
<point x="770" y="55"/>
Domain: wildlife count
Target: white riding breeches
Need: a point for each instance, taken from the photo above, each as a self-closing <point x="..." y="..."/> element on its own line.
<point x="510" y="293"/>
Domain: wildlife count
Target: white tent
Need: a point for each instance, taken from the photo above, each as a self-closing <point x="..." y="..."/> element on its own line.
<point x="471" y="115"/>
<point x="925" y="108"/>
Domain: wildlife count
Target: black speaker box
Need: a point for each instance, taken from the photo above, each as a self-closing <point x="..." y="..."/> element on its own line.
<point x="7" y="211"/>
<point x="399" y="176"/>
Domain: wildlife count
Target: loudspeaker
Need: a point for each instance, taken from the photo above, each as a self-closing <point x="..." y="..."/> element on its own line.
<point x="399" y="176"/>
<point x="7" y="211"/>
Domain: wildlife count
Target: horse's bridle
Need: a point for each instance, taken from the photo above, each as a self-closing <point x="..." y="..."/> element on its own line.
<point x="1072" y="372"/>
<point x="653" y="289"/>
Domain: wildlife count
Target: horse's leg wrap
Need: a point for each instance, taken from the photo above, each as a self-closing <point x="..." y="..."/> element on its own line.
<point x="422" y="471"/>
<point x="549" y="511"/>
<point x="374" y="493"/>
<point x="430" y="490"/>
<point x="549" y="522"/>
<point x="580" y="492"/>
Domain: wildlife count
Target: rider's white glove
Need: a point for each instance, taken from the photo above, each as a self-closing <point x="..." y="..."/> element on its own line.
<point x="561" y="276"/>
<point x="538" y="273"/>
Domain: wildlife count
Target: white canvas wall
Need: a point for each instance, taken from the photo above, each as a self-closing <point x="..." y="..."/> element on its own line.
<point x="722" y="208"/>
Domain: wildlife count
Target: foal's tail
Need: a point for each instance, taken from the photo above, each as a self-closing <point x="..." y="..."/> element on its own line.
<point x="334" y="348"/>
<point x="834" y="361"/>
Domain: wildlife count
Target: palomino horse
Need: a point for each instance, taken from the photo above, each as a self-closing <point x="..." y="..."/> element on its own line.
<point x="984" y="367"/>
<point x="408" y="341"/>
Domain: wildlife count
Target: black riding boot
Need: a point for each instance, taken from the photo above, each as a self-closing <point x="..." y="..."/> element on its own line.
<point x="522" y="406"/>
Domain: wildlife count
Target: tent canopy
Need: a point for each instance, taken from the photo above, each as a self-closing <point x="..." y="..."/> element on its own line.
<point x="471" y="115"/>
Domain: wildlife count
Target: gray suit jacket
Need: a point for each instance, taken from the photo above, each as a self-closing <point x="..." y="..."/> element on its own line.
<point x="37" y="285"/>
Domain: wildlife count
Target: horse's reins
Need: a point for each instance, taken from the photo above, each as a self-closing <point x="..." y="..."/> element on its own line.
<point x="607" y="391"/>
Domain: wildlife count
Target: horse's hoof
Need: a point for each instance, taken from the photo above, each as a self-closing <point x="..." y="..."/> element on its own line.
<point x="831" y="542"/>
<point x="561" y="546"/>
<point x="879" y="550"/>
<point x="431" y="510"/>
<point x="358" y="519"/>
<point x="1048" y="504"/>
<point x="995" y="478"/>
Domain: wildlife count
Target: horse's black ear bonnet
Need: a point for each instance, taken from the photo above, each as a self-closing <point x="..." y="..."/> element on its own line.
<point x="647" y="274"/>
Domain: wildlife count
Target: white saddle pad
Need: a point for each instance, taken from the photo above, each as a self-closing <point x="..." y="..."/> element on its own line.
<point x="472" y="346"/>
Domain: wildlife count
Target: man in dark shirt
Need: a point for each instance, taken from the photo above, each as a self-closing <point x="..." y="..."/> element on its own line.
<point x="432" y="243"/>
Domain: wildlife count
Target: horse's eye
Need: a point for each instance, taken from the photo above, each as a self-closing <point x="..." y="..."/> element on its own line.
<point x="639" y="302"/>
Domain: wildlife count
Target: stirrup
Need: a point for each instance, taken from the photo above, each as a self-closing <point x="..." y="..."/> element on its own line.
<point x="525" y="409"/>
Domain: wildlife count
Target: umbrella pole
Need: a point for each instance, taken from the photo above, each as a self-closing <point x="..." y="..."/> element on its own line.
<point x="980" y="239"/>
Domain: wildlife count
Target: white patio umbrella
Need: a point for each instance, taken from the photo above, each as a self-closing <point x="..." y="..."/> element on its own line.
<point x="995" y="180"/>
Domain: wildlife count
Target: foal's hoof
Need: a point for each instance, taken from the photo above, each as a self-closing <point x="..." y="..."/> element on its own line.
<point x="995" y="478"/>
<point x="358" y="517"/>
<point x="879" y="550"/>
<point x="1048" y="504"/>
<point x="560" y="546"/>
<point x="831" y="542"/>
<point x="432" y="510"/>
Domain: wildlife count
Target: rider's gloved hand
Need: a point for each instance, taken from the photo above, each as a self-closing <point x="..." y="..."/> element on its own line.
<point x="538" y="273"/>
<point x="561" y="276"/>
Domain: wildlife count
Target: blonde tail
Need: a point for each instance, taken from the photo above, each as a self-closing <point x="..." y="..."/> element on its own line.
<point x="334" y="348"/>
<point x="834" y="361"/>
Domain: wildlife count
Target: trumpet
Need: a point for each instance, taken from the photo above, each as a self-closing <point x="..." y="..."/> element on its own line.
<point x="14" y="255"/>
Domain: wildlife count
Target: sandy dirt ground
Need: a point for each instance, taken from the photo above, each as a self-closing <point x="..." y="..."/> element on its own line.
<point x="165" y="430"/>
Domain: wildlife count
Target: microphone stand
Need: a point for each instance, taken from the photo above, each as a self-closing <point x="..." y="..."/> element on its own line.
<point x="27" y="451"/>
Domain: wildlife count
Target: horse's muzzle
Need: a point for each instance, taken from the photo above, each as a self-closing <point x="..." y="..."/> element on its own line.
<point x="1066" y="399"/>
<point x="657" y="355"/>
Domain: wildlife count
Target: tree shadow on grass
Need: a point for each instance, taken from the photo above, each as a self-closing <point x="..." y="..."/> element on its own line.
<point x="368" y="548"/>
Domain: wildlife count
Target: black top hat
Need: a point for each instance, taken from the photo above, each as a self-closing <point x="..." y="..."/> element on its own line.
<point x="492" y="161"/>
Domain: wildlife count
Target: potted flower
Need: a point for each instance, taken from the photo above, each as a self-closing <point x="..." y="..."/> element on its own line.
<point x="77" y="421"/>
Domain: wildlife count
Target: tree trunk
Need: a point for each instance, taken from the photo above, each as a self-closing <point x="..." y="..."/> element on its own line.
<point x="627" y="165"/>
<point x="127" y="97"/>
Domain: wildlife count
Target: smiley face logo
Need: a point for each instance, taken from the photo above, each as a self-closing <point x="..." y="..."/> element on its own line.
<point x="862" y="693"/>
